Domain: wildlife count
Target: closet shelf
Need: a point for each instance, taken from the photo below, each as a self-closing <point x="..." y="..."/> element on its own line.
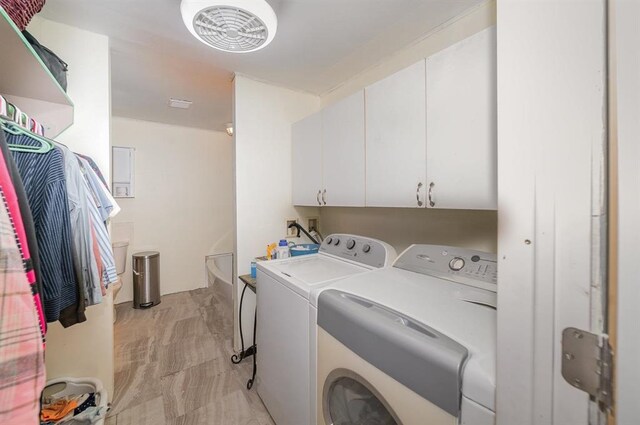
<point x="26" y="82"/>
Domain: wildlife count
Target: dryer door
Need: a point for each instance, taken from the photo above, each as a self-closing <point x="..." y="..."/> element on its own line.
<point x="349" y="399"/>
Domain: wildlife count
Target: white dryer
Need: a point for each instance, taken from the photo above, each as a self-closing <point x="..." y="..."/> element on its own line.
<point x="411" y="344"/>
<point x="284" y="335"/>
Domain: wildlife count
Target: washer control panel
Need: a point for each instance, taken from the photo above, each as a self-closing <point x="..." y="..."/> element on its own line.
<point x="470" y="267"/>
<point x="368" y="251"/>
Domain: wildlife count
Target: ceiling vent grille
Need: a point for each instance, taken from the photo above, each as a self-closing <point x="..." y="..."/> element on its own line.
<point x="230" y="27"/>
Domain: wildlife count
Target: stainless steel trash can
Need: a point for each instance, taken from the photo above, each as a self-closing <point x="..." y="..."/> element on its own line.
<point x="146" y="279"/>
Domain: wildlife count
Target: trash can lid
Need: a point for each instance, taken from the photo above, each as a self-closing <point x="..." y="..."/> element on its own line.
<point x="146" y="254"/>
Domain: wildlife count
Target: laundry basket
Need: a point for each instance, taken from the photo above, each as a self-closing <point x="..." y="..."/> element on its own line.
<point x="64" y="387"/>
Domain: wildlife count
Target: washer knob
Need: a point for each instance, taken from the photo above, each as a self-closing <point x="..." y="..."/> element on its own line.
<point x="329" y="240"/>
<point x="336" y="242"/>
<point x="366" y="249"/>
<point x="456" y="264"/>
<point x="351" y="243"/>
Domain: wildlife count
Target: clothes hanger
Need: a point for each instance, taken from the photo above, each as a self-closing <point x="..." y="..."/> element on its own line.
<point x="46" y="145"/>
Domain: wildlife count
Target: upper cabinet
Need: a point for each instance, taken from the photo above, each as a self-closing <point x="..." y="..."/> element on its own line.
<point x="461" y="124"/>
<point x="26" y="82"/>
<point x="328" y="155"/>
<point x="343" y="171"/>
<point x="424" y="137"/>
<point x="395" y="147"/>
<point x="306" y="136"/>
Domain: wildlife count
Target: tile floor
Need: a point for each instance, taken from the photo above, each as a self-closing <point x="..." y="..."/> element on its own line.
<point x="173" y="365"/>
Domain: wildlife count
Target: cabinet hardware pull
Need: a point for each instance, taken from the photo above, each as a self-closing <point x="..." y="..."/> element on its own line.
<point x="431" y="201"/>
<point x="318" y="198"/>
<point x="324" y="192"/>
<point x="420" y="203"/>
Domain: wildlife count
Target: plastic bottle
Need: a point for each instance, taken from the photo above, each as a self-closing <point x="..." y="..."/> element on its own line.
<point x="254" y="270"/>
<point x="283" y="250"/>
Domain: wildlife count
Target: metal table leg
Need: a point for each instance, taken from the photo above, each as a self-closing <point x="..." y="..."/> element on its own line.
<point x="255" y="351"/>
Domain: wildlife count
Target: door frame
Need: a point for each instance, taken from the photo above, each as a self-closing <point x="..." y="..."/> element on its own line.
<point x="625" y="160"/>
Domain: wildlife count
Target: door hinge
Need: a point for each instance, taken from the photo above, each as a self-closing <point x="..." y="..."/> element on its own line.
<point x="587" y="364"/>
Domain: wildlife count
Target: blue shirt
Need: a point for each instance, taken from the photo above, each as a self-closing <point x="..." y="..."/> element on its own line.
<point x="45" y="186"/>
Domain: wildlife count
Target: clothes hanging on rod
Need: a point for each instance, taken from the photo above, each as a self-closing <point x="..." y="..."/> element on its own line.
<point x="86" y="270"/>
<point x="44" y="145"/>
<point x="70" y="205"/>
<point x="21" y="343"/>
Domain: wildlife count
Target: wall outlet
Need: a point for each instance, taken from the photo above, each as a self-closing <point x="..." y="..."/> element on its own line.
<point x="313" y="223"/>
<point x="291" y="232"/>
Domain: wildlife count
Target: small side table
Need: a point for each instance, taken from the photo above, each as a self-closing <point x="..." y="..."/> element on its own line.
<point x="249" y="282"/>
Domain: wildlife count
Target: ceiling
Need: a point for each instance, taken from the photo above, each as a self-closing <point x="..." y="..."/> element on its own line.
<point x="318" y="45"/>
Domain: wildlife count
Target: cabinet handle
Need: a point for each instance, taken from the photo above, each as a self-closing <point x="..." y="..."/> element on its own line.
<point x="324" y="192"/>
<point x="431" y="202"/>
<point x="318" y="197"/>
<point x="420" y="203"/>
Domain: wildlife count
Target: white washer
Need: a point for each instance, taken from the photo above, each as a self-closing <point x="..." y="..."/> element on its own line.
<point x="284" y="334"/>
<point x="410" y="344"/>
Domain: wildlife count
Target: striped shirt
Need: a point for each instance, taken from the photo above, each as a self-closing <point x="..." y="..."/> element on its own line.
<point x="44" y="183"/>
<point x="95" y="168"/>
<point x="102" y="237"/>
<point x="102" y="201"/>
<point x="84" y="261"/>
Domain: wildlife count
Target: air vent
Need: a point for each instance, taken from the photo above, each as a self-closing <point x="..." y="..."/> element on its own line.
<point x="180" y="104"/>
<point x="238" y="26"/>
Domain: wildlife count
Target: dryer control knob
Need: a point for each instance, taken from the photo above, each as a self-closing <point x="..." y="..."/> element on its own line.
<point x="329" y="240"/>
<point x="366" y="249"/>
<point x="351" y="243"/>
<point x="336" y="242"/>
<point x="456" y="264"/>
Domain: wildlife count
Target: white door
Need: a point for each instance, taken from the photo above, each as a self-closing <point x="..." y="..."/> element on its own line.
<point x="343" y="152"/>
<point x="396" y="139"/>
<point x="306" y="138"/>
<point x="461" y="125"/>
<point x="552" y="134"/>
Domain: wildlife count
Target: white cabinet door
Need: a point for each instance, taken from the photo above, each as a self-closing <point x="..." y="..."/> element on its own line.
<point x="396" y="148"/>
<point x="343" y="152"/>
<point x="306" y="146"/>
<point x="461" y="124"/>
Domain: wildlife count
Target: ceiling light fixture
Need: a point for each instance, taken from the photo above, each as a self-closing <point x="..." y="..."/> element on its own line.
<point x="238" y="26"/>
<point x="180" y="104"/>
<point x="229" y="128"/>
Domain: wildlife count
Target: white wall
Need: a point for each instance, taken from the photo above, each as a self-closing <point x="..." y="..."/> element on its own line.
<point x="402" y="227"/>
<point x="263" y="115"/>
<point x="442" y="37"/>
<point x="627" y="54"/>
<point x="85" y="349"/>
<point x="551" y="136"/>
<point x="183" y="205"/>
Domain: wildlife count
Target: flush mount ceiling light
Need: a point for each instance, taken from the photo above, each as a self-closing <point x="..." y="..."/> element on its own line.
<point x="238" y="26"/>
